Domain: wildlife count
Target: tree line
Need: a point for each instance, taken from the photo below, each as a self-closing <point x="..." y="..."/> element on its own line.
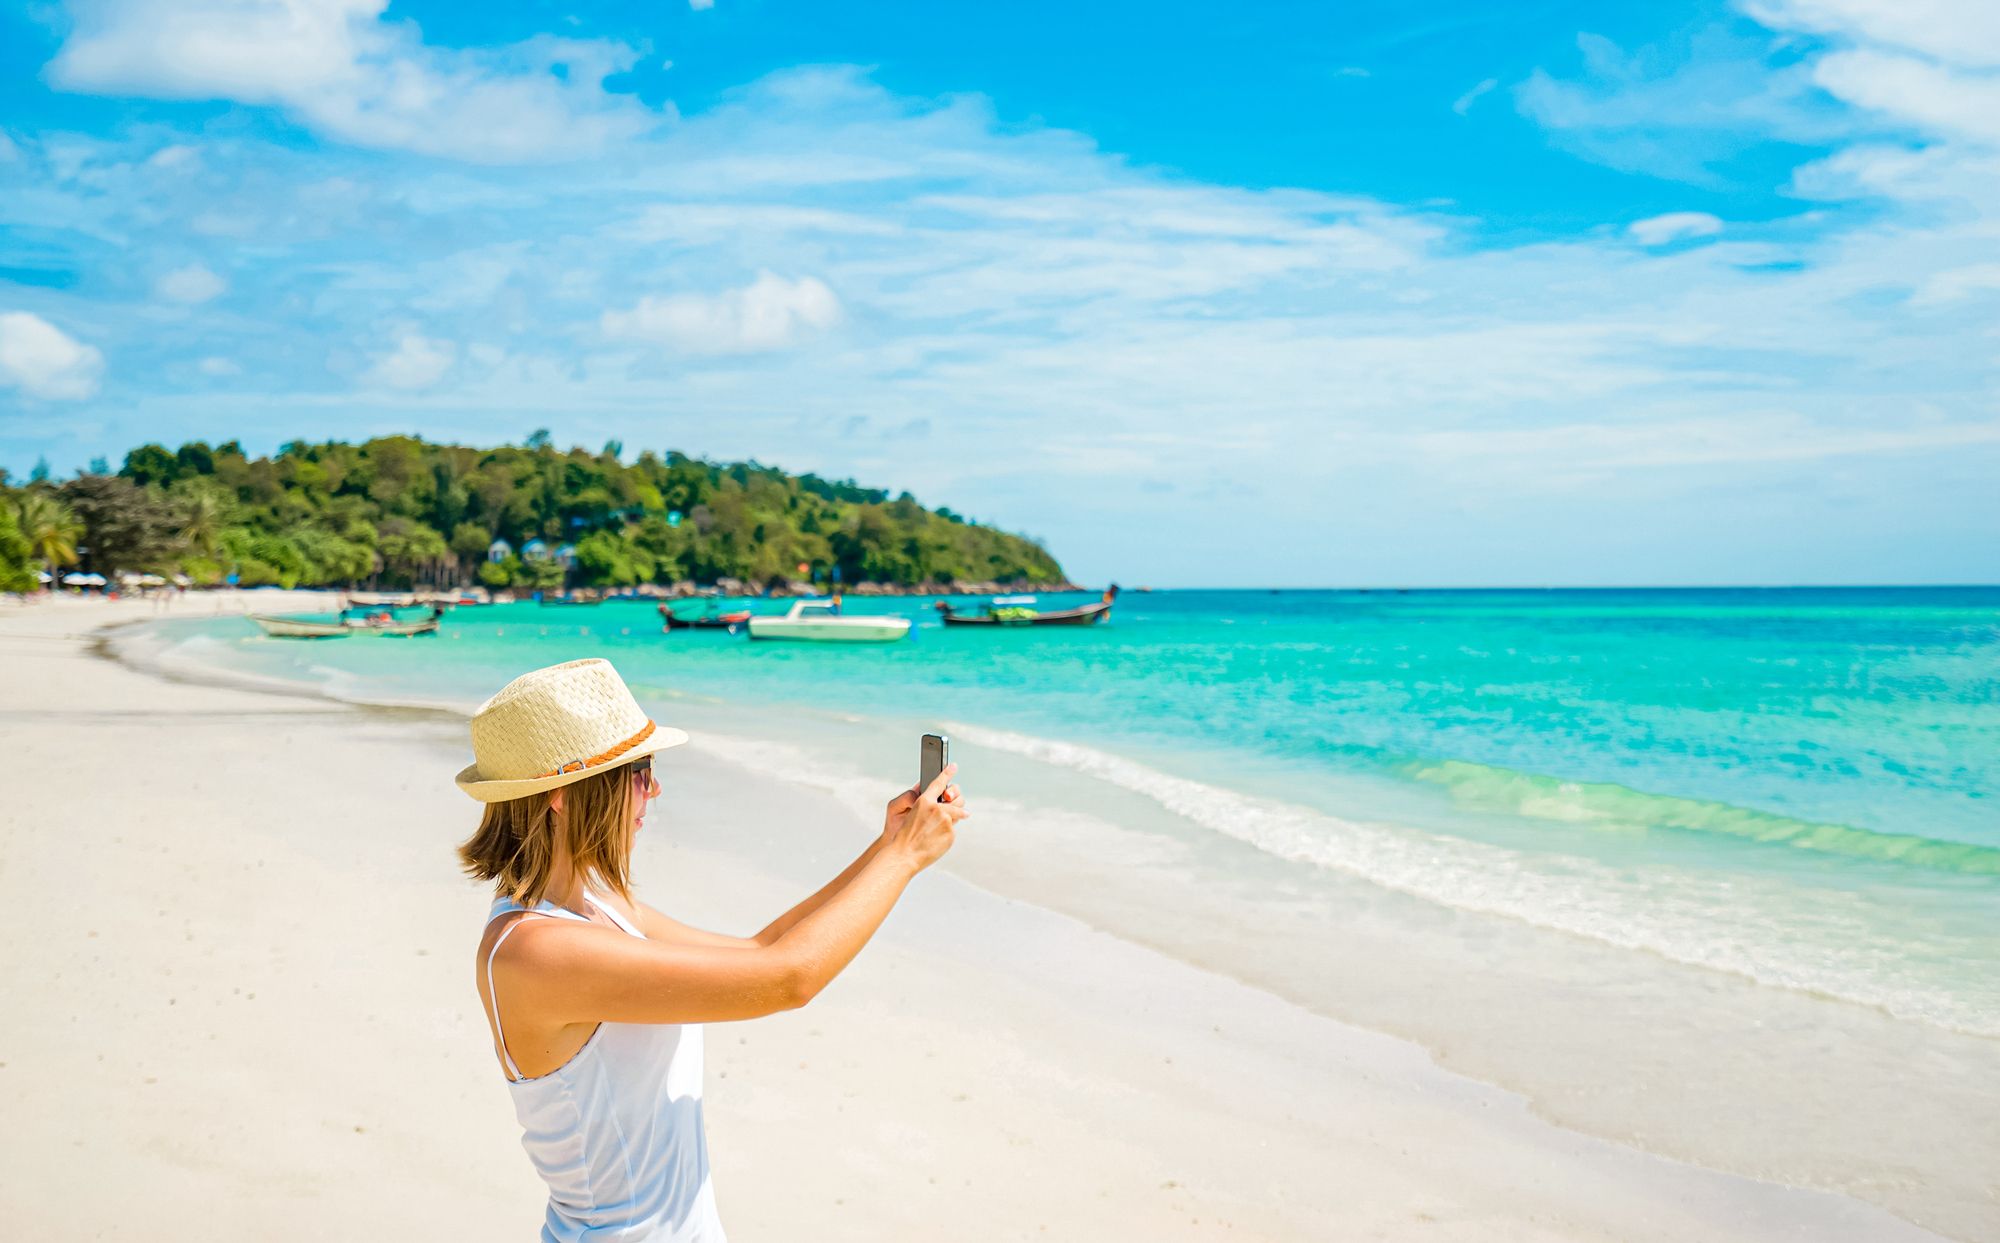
<point x="402" y="512"/>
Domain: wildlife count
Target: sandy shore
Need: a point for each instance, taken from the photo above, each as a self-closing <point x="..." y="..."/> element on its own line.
<point x="241" y="1006"/>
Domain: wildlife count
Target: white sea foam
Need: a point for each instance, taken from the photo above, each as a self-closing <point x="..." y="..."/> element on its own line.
<point x="1818" y="942"/>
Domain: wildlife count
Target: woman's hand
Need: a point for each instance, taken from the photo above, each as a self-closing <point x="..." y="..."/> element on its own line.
<point x="899" y="806"/>
<point x="923" y="823"/>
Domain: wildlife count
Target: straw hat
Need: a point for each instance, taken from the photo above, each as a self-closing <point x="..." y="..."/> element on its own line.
<point x="558" y="725"/>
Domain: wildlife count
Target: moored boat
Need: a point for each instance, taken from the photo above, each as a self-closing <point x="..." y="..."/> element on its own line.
<point x="815" y="621"/>
<point x="710" y="620"/>
<point x="376" y="624"/>
<point x="1019" y="611"/>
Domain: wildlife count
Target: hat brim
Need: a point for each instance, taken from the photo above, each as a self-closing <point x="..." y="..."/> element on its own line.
<point x="469" y="780"/>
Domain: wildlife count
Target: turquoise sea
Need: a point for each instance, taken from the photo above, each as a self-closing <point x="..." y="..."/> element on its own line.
<point x="1798" y="787"/>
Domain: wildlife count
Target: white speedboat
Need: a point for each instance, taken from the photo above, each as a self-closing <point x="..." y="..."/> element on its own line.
<point x="815" y="621"/>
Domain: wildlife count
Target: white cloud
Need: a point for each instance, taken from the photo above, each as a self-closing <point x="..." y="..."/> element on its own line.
<point x="342" y="70"/>
<point x="1674" y="226"/>
<point x="174" y="156"/>
<point x="416" y="362"/>
<point x="1964" y="32"/>
<point x="193" y="283"/>
<point x="767" y="314"/>
<point x="701" y="5"/>
<point x="1958" y="284"/>
<point x="1917" y="92"/>
<point x="1463" y="104"/>
<point x="1724" y="97"/>
<point x="215" y="365"/>
<point x="42" y="360"/>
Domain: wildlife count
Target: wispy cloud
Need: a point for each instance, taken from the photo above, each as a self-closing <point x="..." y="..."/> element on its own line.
<point x="1674" y="226"/>
<point x="193" y="283"/>
<point x="1463" y="104"/>
<point x="341" y="69"/>
<point x="416" y="362"/>
<point x="769" y="313"/>
<point x="1677" y="115"/>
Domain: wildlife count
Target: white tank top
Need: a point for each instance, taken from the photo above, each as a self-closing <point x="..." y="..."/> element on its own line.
<point x="616" y="1131"/>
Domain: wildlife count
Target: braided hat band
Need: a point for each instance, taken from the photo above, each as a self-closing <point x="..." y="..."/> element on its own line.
<point x="554" y="726"/>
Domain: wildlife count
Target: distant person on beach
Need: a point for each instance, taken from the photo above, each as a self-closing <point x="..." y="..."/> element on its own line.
<point x="595" y="1000"/>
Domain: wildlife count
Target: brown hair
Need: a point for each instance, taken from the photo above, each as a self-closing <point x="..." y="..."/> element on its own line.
<point x="516" y="845"/>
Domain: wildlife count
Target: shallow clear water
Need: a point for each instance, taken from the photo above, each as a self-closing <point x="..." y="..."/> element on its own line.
<point x="1798" y="786"/>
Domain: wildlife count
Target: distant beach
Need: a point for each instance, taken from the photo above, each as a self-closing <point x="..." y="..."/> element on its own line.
<point x="1125" y="960"/>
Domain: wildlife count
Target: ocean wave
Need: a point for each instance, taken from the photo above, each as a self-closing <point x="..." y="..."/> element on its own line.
<point x="1611" y="805"/>
<point x="1763" y="929"/>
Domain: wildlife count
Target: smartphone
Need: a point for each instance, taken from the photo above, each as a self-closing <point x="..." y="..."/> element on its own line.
<point x="936" y="754"/>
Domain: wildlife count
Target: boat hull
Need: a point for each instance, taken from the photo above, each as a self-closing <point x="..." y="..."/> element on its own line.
<point x="706" y="621"/>
<point x="1087" y="615"/>
<point x="831" y="629"/>
<point x="294" y="628"/>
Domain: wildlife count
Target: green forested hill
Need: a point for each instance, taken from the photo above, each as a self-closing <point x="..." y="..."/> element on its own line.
<point x="399" y="511"/>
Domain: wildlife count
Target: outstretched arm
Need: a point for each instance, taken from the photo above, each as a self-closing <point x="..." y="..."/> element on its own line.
<point x="776" y="928"/>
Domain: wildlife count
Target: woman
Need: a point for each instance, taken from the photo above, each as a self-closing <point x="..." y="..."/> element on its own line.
<point x="595" y="1000"/>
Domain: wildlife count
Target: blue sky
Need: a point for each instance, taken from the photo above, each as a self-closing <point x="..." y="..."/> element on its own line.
<point x="1376" y="293"/>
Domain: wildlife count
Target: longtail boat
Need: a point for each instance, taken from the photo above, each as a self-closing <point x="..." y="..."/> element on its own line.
<point x="710" y="620"/>
<point x="1016" y="611"/>
<point x="376" y="624"/>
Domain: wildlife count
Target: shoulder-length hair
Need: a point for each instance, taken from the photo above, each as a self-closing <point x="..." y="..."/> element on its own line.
<point x="518" y="839"/>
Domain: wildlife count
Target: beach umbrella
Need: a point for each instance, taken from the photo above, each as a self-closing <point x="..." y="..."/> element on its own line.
<point x="43" y="576"/>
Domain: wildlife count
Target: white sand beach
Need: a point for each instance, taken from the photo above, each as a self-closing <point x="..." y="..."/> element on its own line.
<point x="241" y="1006"/>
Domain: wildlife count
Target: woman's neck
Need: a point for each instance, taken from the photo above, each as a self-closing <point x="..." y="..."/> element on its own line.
<point x="566" y="889"/>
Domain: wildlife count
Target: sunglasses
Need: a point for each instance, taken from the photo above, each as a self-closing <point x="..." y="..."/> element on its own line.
<point x="642" y="772"/>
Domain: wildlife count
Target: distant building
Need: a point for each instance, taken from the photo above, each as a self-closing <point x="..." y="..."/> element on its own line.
<point x="499" y="550"/>
<point x="534" y="550"/>
<point x="566" y="556"/>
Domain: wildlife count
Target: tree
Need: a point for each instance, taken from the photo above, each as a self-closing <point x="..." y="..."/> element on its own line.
<point x="498" y="574"/>
<point x="202" y="517"/>
<point x="469" y="542"/>
<point x="608" y="559"/>
<point x="14" y="551"/>
<point x="150" y="464"/>
<point x="125" y="526"/>
<point x="539" y="576"/>
<point x="411" y="551"/>
<point x="51" y="530"/>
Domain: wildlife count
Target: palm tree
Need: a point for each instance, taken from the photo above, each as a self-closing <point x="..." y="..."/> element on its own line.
<point x="201" y="523"/>
<point x="52" y="531"/>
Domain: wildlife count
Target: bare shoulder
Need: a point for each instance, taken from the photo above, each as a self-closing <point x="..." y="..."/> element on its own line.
<point x="539" y="945"/>
<point x="634" y="912"/>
